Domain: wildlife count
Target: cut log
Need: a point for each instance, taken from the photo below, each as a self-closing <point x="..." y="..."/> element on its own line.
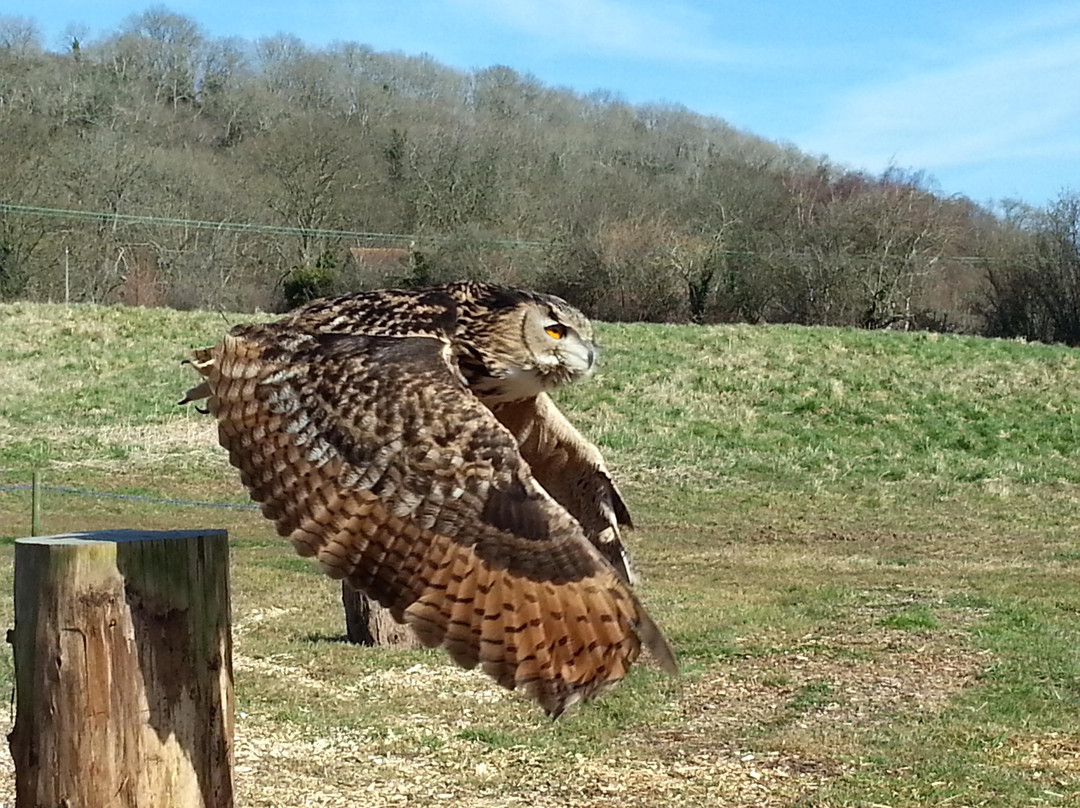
<point x="368" y="623"/>
<point x="123" y="670"/>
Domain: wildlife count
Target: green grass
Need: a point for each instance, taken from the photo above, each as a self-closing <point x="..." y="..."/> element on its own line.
<point x="914" y="618"/>
<point x="862" y="545"/>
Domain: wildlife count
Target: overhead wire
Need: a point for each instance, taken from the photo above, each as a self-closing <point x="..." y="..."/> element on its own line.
<point x="244" y="227"/>
<point x="359" y="235"/>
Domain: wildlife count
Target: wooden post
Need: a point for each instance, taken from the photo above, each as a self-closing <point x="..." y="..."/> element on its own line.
<point x="368" y="623"/>
<point x="123" y="670"/>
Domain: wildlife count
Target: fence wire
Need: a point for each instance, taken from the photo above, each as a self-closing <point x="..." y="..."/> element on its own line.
<point x="139" y="497"/>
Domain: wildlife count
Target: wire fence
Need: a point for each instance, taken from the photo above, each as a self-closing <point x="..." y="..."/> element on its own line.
<point x="37" y="488"/>
<point x="140" y="497"/>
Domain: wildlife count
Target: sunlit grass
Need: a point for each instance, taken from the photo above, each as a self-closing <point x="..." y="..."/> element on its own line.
<point x="862" y="545"/>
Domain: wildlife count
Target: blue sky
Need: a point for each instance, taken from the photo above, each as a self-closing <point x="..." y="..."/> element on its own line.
<point x="983" y="96"/>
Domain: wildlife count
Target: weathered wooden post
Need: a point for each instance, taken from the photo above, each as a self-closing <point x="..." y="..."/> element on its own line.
<point x="123" y="670"/>
<point x="368" y="623"/>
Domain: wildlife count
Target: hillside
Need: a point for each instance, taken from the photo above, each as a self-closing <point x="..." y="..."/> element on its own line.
<point x="158" y="163"/>
<point x="861" y="544"/>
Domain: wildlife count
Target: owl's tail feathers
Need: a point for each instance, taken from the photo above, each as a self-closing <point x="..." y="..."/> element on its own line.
<point x="653" y="638"/>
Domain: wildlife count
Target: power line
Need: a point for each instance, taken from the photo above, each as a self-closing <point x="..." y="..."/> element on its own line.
<point x="242" y="227"/>
<point x="360" y="235"/>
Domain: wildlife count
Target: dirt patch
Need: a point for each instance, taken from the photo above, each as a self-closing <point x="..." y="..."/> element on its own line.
<point x="1052" y="758"/>
<point x="348" y="769"/>
<point x="841" y="680"/>
<point x="806" y="710"/>
<point x="712" y="754"/>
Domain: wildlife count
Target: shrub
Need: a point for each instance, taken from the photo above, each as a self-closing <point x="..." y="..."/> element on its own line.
<point x="302" y="284"/>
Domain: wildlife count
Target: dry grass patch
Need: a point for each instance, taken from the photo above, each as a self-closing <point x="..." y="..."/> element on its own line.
<point x="175" y="441"/>
<point x="287" y="766"/>
<point x="423" y="682"/>
<point x="156" y="442"/>
<point x="870" y="679"/>
<point x="1051" y="757"/>
<point x="760" y="731"/>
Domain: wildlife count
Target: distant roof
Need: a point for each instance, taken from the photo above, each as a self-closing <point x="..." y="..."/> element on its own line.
<point x="380" y="257"/>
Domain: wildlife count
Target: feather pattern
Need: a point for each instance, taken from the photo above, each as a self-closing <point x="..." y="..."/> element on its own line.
<point x="571" y="470"/>
<point x="364" y="440"/>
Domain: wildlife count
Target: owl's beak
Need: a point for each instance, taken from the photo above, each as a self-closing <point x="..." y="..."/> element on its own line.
<point x="579" y="356"/>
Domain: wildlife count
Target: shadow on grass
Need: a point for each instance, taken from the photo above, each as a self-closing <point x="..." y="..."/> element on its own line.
<point x="318" y="637"/>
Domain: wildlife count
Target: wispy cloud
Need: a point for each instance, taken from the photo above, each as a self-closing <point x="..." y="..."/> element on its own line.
<point x="1008" y="90"/>
<point x="675" y="34"/>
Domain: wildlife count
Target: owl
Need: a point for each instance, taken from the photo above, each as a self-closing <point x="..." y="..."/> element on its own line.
<point x="406" y="440"/>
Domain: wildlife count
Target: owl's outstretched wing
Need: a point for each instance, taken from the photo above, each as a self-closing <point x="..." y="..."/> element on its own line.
<point x="370" y="454"/>
<point x="571" y="469"/>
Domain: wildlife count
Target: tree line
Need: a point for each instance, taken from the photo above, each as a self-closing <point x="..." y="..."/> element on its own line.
<point x="633" y="212"/>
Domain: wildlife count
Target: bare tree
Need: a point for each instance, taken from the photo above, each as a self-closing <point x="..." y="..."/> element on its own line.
<point x="305" y="164"/>
<point x="1034" y="287"/>
<point x="167" y="48"/>
<point x="19" y="37"/>
<point x="652" y="212"/>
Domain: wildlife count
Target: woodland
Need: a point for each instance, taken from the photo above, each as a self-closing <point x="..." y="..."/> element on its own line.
<point x="160" y="165"/>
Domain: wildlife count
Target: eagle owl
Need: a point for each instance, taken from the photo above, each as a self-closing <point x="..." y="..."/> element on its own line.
<point x="406" y="440"/>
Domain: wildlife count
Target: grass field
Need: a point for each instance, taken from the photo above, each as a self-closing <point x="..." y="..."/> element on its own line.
<point x="862" y="545"/>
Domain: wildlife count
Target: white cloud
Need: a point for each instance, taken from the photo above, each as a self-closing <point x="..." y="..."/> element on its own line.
<point x="1002" y="94"/>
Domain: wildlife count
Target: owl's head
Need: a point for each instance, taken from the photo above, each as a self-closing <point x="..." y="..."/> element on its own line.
<point x="513" y="344"/>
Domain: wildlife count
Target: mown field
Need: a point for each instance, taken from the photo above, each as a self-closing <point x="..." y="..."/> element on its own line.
<point x="862" y="545"/>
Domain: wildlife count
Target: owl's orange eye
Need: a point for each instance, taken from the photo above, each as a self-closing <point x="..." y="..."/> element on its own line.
<point x="556" y="331"/>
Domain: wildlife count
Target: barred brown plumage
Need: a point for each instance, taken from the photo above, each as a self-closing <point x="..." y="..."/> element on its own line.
<point x="405" y="439"/>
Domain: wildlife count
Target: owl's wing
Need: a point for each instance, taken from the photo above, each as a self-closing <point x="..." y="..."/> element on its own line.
<point x="571" y="469"/>
<point x="370" y="454"/>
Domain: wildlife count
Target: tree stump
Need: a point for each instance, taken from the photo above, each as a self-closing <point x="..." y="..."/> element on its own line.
<point x="123" y="671"/>
<point x="368" y="623"/>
